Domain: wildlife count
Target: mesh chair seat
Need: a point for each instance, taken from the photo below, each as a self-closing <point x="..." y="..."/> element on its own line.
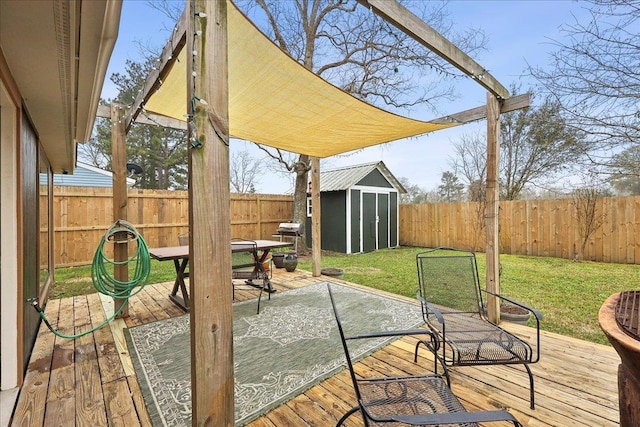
<point x="386" y="398"/>
<point x="472" y="340"/>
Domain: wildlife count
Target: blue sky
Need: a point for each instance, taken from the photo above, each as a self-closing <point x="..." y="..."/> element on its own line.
<point x="518" y="32"/>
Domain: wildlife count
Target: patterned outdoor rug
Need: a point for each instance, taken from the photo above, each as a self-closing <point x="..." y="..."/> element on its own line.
<point x="290" y="346"/>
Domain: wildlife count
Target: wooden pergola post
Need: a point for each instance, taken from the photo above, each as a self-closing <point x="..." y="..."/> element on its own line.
<point x="316" y="232"/>
<point x="211" y="313"/>
<point x="119" y="170"/>
<point x="492" y="207"/>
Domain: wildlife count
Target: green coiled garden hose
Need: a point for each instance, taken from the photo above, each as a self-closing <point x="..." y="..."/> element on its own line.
<point x="102" y="275"/>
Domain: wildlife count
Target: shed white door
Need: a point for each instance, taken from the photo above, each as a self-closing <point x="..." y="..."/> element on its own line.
<point x="369" y="222"/>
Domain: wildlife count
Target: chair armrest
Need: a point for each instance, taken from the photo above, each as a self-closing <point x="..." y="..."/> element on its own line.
<point x="536" y="313"/>
<point x="398" y="333"/>
<point x="455" y="418"/>
<point x="431" y="308"/>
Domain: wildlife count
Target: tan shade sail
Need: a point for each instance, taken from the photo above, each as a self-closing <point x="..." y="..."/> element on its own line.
<point x="275" y="101"/>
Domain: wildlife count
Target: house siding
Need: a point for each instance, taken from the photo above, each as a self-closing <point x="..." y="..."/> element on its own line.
<point x="333" y="224"/>
<point x="85" y="176"/>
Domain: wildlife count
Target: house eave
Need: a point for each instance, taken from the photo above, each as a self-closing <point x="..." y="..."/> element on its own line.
<point x="57" y="52"/>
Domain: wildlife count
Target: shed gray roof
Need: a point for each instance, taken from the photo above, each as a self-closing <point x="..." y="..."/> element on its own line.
<point x="346" y="177"/>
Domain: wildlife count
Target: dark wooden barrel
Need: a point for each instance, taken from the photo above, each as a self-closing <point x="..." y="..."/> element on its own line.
<point x="618" y="319"/>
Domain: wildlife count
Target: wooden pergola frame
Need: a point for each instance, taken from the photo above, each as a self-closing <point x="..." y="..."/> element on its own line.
<point x="211" y="311"/>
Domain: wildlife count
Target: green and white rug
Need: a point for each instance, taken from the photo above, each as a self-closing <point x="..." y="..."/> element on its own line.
<point x="289" y="347"/>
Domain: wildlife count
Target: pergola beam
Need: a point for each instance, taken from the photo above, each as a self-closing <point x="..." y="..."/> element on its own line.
<point x="463" y="117"/>
<point x="165" y="63"/>
<point x="410" y="24"/>
<point x="147" y="119"/>
<point x="479" y="113"/>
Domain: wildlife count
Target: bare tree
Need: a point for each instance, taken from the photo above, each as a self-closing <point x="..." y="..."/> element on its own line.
<point x="354" y="49"/>
<point x="625" y="171"/>
<point x="479" y="222"/>
<point x="244" y="171"/>
<point x="588" y="219"/>
<point x="171" y="9"/>
<point x="535" y="147"/>
<point x="471" y="161"/>
<point x="414" y="195"/>
<point x="93" y="153"/>
<point x="595" y="76"/>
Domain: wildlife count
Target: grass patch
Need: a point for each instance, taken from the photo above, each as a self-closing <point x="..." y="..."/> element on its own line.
<point x="568" y="293"/>
<point x="72" y="281"/>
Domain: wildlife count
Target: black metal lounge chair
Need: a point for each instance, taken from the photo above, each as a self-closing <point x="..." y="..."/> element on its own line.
<point x="244" y="268"/>
<point x="419" y="400"/>
<point x="452" y="306"/>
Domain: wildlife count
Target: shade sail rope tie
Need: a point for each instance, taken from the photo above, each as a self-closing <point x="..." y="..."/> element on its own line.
<point x="103" y="279"/>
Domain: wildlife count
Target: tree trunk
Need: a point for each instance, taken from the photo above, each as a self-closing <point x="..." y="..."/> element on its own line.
<point x="300" y="199"/>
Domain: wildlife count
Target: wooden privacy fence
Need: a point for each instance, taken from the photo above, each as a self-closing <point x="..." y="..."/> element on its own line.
<point x="529" y="227"/>
<point x="82" y="215"/>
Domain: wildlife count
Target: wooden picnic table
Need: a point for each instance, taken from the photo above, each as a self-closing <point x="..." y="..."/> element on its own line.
<point x="260" y="250"/>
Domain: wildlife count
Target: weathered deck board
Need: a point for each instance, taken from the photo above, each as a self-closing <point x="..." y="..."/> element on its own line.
<point x="31" y="410"/>
<point x="90" y="402"/>
<point x="108" y="356"/>
<point x="138" y="401"/>
<point x="61" y="400"/>
<point x="121" y="410"/>
<point x="90" y="381"/>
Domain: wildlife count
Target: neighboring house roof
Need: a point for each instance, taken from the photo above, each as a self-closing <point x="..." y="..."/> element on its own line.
<point x="346" y="177"/>
<point x="86" y="176"/>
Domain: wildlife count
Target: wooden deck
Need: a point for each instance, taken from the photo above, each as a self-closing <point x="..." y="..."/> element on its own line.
<point x="90" y="381"/>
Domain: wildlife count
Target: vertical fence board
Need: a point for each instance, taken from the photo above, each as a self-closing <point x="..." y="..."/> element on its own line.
<point x="608" y="237"/>
<point x="635" y="232"/>
<point x="624" y="235"/>
<point x="563" y="232"/>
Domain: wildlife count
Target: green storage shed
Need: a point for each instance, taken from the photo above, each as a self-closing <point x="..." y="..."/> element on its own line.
<point x="359" y="208"/>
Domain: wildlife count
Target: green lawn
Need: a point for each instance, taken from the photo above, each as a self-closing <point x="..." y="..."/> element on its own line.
<point x="73" y="281"/>
<point x="569" y="294"/>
